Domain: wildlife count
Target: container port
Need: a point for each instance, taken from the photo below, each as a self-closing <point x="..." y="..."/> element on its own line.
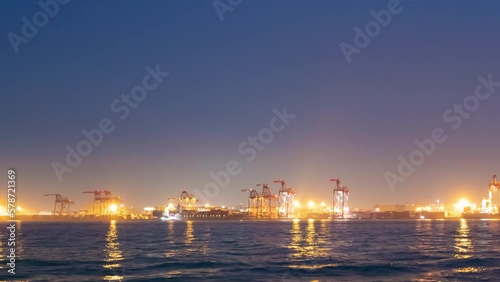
<point x="262" y="204"/>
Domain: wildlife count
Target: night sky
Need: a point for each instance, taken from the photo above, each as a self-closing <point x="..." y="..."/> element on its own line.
<point x="352" y="121"/>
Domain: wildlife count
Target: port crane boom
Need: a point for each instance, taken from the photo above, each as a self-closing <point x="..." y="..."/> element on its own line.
<point x="103" y="199"/>
<point x="62" y="205"/>
<point x="286" y="199"/>
<point x="269" y="201"/>
<point x="254" y="202"/>
<point x="490" y="205"/>
<point x="340" y="198"/>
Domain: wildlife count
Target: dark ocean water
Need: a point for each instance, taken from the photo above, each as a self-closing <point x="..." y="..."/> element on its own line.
<point x="421" y="250"/>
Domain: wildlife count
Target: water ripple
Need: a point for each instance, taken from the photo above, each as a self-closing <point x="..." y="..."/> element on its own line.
<point x="420" y="250"/>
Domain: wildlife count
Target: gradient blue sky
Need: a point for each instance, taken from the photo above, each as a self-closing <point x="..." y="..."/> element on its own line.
<point x="354" y="120"/>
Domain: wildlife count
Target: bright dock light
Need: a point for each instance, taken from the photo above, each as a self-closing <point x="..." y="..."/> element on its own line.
<point x="462" y="204"/>
<point x="113" y="208"/>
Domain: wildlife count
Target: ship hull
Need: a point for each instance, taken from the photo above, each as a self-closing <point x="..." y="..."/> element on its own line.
<point x="203" y="215"/>
<point x="480" y="216"/>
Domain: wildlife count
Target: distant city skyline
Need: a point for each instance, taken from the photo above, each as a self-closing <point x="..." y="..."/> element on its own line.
<point x="227" y="77"/>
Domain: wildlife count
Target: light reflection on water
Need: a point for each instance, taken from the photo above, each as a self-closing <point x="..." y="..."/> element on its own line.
<point x="468" y="270"/>
<point x="425" y="240"/>
<point x="206" y="239"/>
<point x="19" y="240"/>
<point x="170" y="251"/>
<point x="235" y="251"/>
<point x="295" y="244"/>
<point x="464" y="248"/>
<point x="310" y="251"/>
<point x="190" y="248"/>
<point x="113" y="254"/>
<point x="188" y="234"/>
<point x="463" y="243"/>
<point x="187" y="244"/>
<point x="1" y="248"/>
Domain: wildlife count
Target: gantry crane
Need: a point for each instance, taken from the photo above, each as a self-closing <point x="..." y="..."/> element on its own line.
<point x="104" y="201"/>
<point x="254" y="203"/>
<point x="170" y="207"/>
<point x="340" y="199"/>
<point x="286" y="198"/>
<point x="269" y="202"/>
<point x="494" y="184"/>
<point x="97" y="200"/>
<point x="62" y="205"/>
<point x="186" y="201"/>
<point x="491" y="204"/>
